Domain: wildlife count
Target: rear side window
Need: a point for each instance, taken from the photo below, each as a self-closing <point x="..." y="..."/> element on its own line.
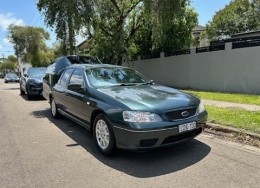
<point x="77" y="77"/>
<point x="65" y="77"/>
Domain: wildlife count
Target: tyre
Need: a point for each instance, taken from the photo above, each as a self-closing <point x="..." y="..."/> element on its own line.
<point x="22" y="91"/>
<point x="103" y="136"/>
<point x="54" y="110"/>
<point x="29" y="97"/>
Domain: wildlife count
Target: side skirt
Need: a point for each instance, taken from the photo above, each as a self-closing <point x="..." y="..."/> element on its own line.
<point x="83" y="124"/>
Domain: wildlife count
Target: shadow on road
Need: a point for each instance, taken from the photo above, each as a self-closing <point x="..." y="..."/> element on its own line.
<point x="11" y="88"/>
<point x="33" y="98"/>
<point x="138" y="164"/>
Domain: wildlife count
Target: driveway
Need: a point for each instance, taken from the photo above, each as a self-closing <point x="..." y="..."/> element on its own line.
<point x="38" y="151"/>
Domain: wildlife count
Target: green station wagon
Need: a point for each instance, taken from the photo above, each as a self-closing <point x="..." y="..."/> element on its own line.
<point x="123" y="109"/>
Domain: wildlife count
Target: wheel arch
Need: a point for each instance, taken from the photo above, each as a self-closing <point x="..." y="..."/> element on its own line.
<point x="94" y="114"/>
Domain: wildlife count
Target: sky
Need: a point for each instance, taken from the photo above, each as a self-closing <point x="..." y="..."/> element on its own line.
<point x="25" y="12"/>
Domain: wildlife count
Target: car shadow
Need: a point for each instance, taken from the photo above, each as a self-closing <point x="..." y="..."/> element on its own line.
<point x="137" y="164"/>
<point x="11" y="88"/>
<point x="33" y="98"/>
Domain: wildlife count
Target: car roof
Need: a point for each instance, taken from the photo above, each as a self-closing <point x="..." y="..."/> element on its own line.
<point x="89" y="66"/>
<point x="37" y="67"/>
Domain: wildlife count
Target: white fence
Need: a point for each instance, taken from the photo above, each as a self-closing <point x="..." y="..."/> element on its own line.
<point x="228" y="70"/>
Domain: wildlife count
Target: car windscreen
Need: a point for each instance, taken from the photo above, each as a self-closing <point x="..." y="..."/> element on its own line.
<point x="11" y="76"/>
<point x="36" y="72"/>
<point x="112" y="76"/>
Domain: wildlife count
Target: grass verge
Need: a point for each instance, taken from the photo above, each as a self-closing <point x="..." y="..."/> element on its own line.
<point x="234" y="117"/>
<point x="228" y="97"/>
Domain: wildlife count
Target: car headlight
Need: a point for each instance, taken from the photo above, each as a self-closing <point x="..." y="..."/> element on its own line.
<point x="140" y="117"/>
<point x="201" y="108"/>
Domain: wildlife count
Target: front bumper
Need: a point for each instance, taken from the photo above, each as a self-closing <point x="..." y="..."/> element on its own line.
<point x="11" y="80"/>
<point x="35" y="89"/>
<point x="149" y="139"/>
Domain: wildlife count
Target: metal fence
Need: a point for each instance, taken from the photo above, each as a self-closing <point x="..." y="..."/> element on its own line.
<point x="150" y="56"/>
<point x="211" y="48"/>
<point x="177" y="52"/>
<point x="246" y="44"/>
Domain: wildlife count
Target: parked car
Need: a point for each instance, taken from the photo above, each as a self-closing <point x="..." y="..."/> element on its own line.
<point x="123" y="109"/>
<point x="31" y="82"/>
<point x="55" y="70"/>
<point x="2" y="75"/>
<point x="11" y="77"/>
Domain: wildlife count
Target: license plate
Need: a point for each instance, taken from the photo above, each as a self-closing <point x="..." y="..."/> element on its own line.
<point x="187" y="127"/>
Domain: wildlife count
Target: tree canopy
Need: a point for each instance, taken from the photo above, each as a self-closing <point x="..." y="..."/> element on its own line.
<point x="238" y="16"/>
<point x="111" y="26"/>
<point x="28" y="42"/>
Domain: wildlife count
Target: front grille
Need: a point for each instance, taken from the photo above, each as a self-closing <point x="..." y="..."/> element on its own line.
<point x="148" y="142"/>
<point x="176" y="115"/>
<point x="187" y="135"/>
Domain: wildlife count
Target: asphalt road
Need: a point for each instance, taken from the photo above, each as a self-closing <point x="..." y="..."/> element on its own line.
<point x="38" y="151"/>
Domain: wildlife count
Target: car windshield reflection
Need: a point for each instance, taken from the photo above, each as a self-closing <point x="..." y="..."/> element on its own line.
<point x="114" y="76"/>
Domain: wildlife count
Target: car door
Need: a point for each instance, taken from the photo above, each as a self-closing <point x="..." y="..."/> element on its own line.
<point x="79" y="103"/>
<point x="60" y="90"/>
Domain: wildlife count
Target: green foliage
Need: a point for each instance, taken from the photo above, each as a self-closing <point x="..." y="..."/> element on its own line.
<point x="228" y="97"/>
<point x="7" y="66"/>
<point x="12" y="58"/>
<point x="112" y="26"/>
<point x="66" y="16"/>
<point x="28" y="42"/>
<point x="171" y="24"/>
<point x="238" y="16"/>
<point x="238" y="118"/>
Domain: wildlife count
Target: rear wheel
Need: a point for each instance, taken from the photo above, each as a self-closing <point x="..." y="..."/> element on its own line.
<point x="54" y="110"/>
<point x="104" y="136"/>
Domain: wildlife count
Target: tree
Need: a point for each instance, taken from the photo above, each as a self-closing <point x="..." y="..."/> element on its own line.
<point x="12" y="58"/>
<point x="7" y="66"/>
<point x="28" y="42"/>
<point x="238" y="16"/>
<point x="111" y="25"/>
<point x="66" y="16"/>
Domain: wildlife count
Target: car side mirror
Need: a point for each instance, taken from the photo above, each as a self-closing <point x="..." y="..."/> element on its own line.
<point x="76" y="87"/>
<point x="25" y="75"/>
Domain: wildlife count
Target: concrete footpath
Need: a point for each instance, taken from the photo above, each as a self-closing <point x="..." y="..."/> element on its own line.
<point x="229" y="129"/>
<point x="249" y="107"/>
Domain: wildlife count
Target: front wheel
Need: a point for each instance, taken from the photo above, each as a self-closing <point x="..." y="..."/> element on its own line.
<point x="104" y="136"/>
<point x="22" y="91"/>
<point x="54" y="111"/>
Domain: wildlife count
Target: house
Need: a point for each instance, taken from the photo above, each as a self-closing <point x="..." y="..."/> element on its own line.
<point x="196" y="32"/>
<point x="83" y="47"/>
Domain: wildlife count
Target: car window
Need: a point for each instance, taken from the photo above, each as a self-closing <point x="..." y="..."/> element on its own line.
<point x="50" y="69"/>
<point x="61" y="64"/>
<point x="109" y="76"/>
<point x="65" y="77"/>
<point x="36" y="72"/>
<point x="77" y="77"/>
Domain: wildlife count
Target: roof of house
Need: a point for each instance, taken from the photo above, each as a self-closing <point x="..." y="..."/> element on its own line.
<point x="198" y="28"/>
